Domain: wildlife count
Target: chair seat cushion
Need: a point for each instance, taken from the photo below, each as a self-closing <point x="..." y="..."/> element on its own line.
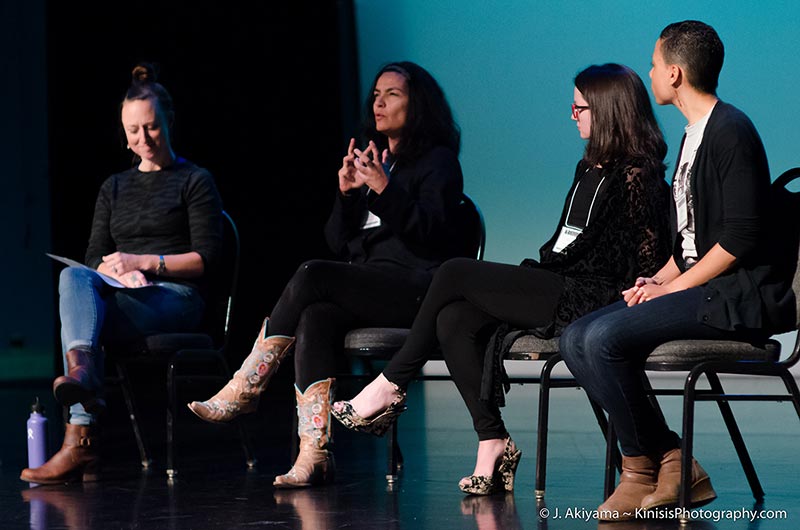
<point x="671" y="355"/>
<point x="162" y="344"/>
<point x="532" y="348"/>
<point x="375" y="341"/>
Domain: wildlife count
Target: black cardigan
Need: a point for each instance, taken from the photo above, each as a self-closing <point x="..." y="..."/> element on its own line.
<point x="418" y="209"/>
<point x="730" y="186"/>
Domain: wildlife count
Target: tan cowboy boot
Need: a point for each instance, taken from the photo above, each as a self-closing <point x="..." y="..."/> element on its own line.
<point x="242" y="392"/>
<point x="638" y="479"/>
<point x="669" y="483"/>
<point x="77" y="459"/>
<point x="314" y="464"/>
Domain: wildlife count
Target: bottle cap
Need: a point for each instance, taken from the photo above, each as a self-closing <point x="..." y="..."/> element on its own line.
<point x="37" y="407"/>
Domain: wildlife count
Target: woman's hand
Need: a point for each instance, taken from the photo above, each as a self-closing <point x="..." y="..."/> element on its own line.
<point x="347" y="178"/>
<point x="120" y="263"/>
<point x="369" y="168"/>
<point x="644" y="289"/>
<point x="133" y="279"/>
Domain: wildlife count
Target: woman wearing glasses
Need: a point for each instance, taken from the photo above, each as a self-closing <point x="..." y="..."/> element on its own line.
<point x="614" y="222"/>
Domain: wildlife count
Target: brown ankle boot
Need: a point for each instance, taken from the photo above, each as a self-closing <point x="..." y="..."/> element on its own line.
<point x="76" y="460"/>
<point x="638" y="479"/>
<point x="314" y="465"/>
<point x="242" y="392"/>
<point x="669" y="483"/>
<point x="80" y="382"/>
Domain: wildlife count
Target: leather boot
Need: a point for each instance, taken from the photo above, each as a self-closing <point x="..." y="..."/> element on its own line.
<point x="669" y="483"/>
<point x="78" y="459"/>
<point x="314" y="465"/>
<point x="242" y="392"/>
<point x="80" y="383"/>
<point x="638" y="479"/>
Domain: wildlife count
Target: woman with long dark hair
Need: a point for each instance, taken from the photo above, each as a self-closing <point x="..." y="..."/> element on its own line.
<point x="392" y="225"/>
<point x="614" y="222"/>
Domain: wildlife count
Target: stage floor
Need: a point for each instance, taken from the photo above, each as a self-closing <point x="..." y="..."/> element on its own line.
<point x="215" y="490"/>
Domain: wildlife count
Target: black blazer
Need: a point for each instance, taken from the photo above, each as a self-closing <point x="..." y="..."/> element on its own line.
<point x="418" y="211"/>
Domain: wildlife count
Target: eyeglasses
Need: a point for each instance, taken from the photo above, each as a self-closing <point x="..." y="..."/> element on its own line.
<point x="577" y="109"/>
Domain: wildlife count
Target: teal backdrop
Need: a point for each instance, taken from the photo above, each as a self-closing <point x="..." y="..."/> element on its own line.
<point x="507" y="68"/>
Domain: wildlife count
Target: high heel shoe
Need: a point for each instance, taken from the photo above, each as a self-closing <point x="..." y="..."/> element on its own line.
<point x="501" y="479"/>
<point x="377" y="425"/>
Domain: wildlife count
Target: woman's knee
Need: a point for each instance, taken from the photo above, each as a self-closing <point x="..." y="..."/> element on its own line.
<point x="72" y="278"/>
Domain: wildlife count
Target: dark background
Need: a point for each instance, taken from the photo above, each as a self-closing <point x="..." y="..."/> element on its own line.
<point x="266" y="97"/>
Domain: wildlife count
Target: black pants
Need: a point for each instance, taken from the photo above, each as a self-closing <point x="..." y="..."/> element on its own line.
<point x="466" y="301"/>
<point x="325" y="299"/>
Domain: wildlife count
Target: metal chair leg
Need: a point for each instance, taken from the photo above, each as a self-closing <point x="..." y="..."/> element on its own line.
<point x="613" y="461"/>
<point x="736" y="438"/>
<point x="244" y="435"/>
<point x="172" y="412"/>
<point x="544" y="419"/>
<point x="133" y="414"/>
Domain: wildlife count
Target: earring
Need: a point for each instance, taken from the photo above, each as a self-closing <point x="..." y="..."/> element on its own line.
<point x="128" y="147"/>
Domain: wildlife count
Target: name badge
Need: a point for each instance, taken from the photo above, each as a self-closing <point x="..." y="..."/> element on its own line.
<point x="567" y="236"/>
<point x="372" y="221"/>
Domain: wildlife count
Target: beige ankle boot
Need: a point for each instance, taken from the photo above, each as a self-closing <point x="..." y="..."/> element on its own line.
<point x="638" y="479"/>
<point x="314" y="464"/>
<point x="669" y="483"/>
<point x="242" y="392"/>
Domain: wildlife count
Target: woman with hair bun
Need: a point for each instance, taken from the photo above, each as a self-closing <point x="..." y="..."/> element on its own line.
<point x="157" y="230"/>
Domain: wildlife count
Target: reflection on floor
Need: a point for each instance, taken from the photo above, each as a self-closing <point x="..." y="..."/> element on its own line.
<point x="215" y="490"/>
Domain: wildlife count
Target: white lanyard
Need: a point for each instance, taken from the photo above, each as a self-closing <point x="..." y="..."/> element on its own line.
<point x="570" y="233"/>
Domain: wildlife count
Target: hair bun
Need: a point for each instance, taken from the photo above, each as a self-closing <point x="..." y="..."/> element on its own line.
<point x="144" y="73"/>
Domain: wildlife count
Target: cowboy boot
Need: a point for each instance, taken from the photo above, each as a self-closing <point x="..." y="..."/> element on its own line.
<point x="669" y="483"/>
<point x="638" y="479"/>
<point x="80" y="382"/>
<point x="242" y="392"/>
<point x="78" y="459"/>
<point x="314" y="464"/>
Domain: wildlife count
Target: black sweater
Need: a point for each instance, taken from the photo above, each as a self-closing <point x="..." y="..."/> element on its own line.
<point x="172" y="211"/>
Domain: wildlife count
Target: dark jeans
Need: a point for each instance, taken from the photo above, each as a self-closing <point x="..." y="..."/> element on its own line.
<point x="606" y="350"/>
<point x="466" y="301"/>
<point x="325" y="299"/>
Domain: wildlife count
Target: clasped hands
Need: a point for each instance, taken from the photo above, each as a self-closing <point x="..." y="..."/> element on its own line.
<point x="361" y="168"/>
<point x="125" y="268"/>
<point x="644" y="290"/>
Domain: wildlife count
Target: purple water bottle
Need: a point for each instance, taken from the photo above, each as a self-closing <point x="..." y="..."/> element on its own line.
<point x="37" y="436"/>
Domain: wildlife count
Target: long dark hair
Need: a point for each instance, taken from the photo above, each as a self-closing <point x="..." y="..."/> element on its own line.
<point x="429" y="120"/>
<point x="623" y="124"/>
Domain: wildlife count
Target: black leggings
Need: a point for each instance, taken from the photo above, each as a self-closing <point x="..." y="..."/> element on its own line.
<point x="325" y="299"/>
<point x="466" y="301"/>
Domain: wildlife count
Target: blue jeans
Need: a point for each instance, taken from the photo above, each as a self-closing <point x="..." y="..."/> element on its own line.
<point x="90" y="310"/>
<point x="606" y="350"/>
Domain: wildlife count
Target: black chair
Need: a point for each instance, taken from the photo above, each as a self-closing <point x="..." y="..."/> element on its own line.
<point x="190" y="349"/>
<point x="713" y="358"/>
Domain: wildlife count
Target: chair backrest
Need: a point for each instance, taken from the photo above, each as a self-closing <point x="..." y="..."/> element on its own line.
<point x="472" y="229"/>
<point x="223" y="284"/>
<point x="786" y="228"/>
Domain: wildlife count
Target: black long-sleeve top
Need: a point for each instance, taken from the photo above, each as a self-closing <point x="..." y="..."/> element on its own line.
<point x="418" y="210"/>
<point x="172" y="211"/>
<point x="626" y="238"/>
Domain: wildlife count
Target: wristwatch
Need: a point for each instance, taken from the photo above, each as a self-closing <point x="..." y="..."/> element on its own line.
<point x="162" y="266"/>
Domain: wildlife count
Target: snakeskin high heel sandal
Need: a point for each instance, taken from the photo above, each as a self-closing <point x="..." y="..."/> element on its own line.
<point x="378" y="424"/>
<point x="502" y="478"/>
